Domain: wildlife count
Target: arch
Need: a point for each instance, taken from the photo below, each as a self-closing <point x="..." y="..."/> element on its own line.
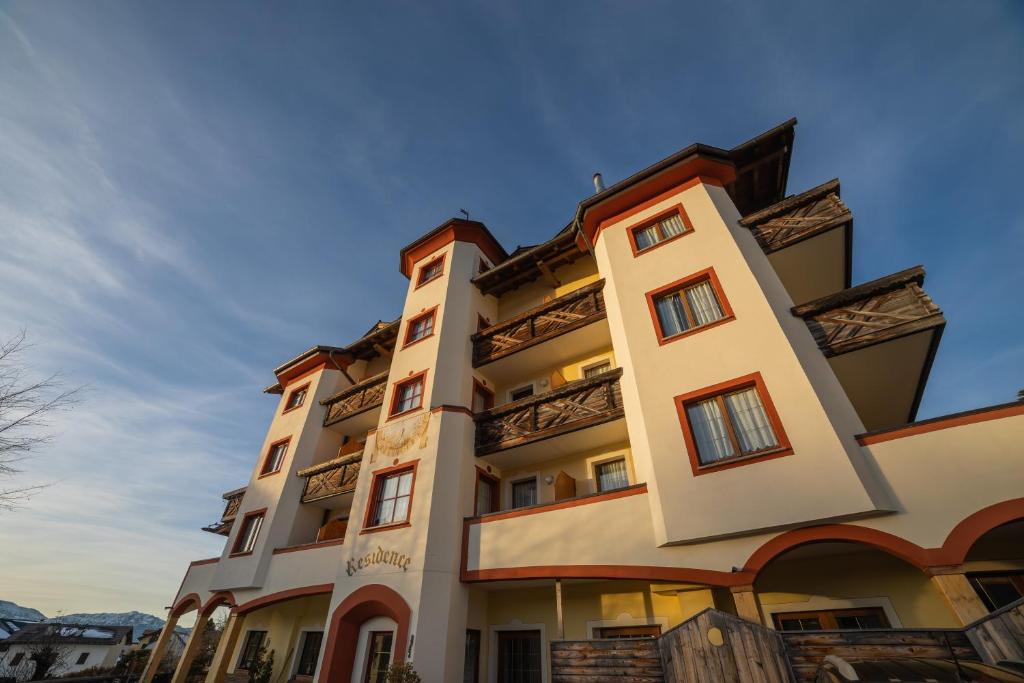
<point x="965" y="534"/>
<point x="282" y="596"/>
<point x="374" y="600"/>
<point x="216" y="600"/>
<point x="894" y="545"/>
<point x="186" y="604"/>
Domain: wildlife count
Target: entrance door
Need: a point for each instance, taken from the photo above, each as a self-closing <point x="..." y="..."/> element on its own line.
<point x="519" y="659"/>
<point x="378" y="656"/>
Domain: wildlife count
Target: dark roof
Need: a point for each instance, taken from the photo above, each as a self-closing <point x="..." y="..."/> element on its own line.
<point x="71" y="634"/>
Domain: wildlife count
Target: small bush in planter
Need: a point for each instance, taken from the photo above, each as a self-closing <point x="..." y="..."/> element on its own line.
<point x="402" y="673"/>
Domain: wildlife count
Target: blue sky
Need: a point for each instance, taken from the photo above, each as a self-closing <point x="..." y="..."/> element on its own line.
<point x="192" y="193"/>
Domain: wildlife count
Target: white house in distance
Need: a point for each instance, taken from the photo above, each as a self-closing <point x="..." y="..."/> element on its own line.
<point x="80" y="646"/>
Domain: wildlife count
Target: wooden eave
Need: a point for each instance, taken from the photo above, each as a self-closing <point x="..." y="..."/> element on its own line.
<point x="368" y="346"/>
<point x="762" y="168"/>
<point x="530" y="264"/>
<point x="237" y="493"/>
<point x="456" y="229"/>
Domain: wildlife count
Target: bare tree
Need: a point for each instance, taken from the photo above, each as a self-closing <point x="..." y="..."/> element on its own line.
<point x="46" y="655"/>
<point x="27" y="407"/>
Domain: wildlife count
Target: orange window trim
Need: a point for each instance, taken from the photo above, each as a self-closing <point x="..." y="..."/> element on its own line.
<point x="492" y="481"/>
<point x="753" y="380"/>
<point x="423" y="269"/>
<point x="635" y="227"/>
<point x="291" y="393"/>
<point x="375" y="484"/>
<point x="418" y="377"/>
<point x="235" y="552"/>
<point x="264" y="472"/>
<point x="709" y="275"/>
<point x="430" y="313"/>
<point x="479" y="388"/>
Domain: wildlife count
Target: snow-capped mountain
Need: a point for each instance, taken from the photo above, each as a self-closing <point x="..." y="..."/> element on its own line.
<point x="15" y="611"/>
<point x="139" y="621"/>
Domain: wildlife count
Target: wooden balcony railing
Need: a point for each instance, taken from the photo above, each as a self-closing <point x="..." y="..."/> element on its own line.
<point x="799" y="217"/>
<point x="331" y="478"/>
<point x="576" y="405"/>
<point x="877" y="311"/>
<point x="547" y="321"/>
<point x="358" y="398"/>
<point x="233" y="501"/>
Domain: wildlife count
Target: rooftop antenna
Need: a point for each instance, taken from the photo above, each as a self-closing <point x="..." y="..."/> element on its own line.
<point x="598" y="183"/>
<point x="464" y="213"/>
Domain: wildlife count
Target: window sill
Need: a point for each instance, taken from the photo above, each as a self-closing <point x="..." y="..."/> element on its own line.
<point x="269" y="474"/>
<point x="427" y="282"/>
<point x="416" y="341"/>
<point x="739" y="460"/>
<point x="293" y="408"/>
<point x="243" y="553"/>
<point x="405" y="412"/>
<point x="693" y="330"/>
<point x="385" y="527"/>
<point x="646" y="250"/>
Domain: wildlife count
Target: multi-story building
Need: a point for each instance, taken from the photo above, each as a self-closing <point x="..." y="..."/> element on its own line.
<point x="679" y="401"/>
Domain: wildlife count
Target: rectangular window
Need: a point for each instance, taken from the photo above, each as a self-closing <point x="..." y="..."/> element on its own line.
<point x="662" y="230"/>
<point x="687" y="308"/>
<point x="82" y="658"/>
<point x="408" y="395"/>
<point x="391" y="501"/>
<point x="248" y="533"/>
<point x="253" y="643"/>
<point x="595" y="370"/>
<point x="430" y="271"/>
<point x="378" y="656"/>
<point x="309" y="653"/>
<point x="275" y="457"/>
<point x="471" y="665"/>
<point x="519" y="658"/>
<point x="296" y="398"/>
<point x="828" y="620"/>
<point x="611" y="475"/>
<point x="998" y="590"/>
<point x="420" y="327"/>
<point x="483" y="398"/>
<point x="486" y="494"/>
<point x="524" y="493"/>
<point x="729" y="425"/>
<point x="617" y="632"/>
<point x="16" y="659"/>
<point x="521" y="393"/>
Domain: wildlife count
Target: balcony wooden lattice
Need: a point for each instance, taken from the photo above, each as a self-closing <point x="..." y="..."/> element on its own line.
<point x="331" y="478"/>
<point x="799" y="217"/>
<point x="576" y="405"/>
<point x="233" y="501"/>
<point x="877" y="311"/>
<point x="547" y="321"/>
<point x="356" y="399"/>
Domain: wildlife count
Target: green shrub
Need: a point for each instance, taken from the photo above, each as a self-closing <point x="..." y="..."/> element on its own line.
<point x="402" y="673"/>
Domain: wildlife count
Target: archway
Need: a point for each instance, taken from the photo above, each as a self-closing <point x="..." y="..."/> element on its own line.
<point x="994" y="565"/>
<point x="362" y="605"/>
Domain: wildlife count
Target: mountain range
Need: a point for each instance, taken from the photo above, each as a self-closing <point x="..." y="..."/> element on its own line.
<point x="139" y="621"/>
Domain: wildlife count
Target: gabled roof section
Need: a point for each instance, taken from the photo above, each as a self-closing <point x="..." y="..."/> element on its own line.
<point x="529" y="263"/>
<point x="452" y="230"/>
<point x="71" y="634"/>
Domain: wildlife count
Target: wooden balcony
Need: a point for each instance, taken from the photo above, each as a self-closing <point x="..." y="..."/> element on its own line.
<point x="799" y="217"/>
<point x="331" y="478"/>
<point x="570" y="312"/>
<point x="233" y="501"/>
<point x="573" y="406"/>
<point x="356" y="399"/>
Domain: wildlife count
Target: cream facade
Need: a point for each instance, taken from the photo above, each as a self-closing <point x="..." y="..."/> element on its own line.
<point x="678" y="402"/>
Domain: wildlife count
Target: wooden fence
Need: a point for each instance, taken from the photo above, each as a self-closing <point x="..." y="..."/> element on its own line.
<point x="999" y="637"/>
<point x="635" y="660"/>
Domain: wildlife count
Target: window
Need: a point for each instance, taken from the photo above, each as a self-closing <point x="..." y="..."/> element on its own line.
<point x="471" y="665"/>
<point x="249" y="531"/>
<point x="296" y="398"/>
<point x="617" y="632"/>
<point x="82" y="658"/>
<point x="661" y="230"/>
<point x="408" y="395"/>
<point x="486" y="494"/>
<point x="431" y="271"/>
<point x="16" y="659"/>
<point x="378" y="656"/>
<point x="483" y="398"/>
<point x="392" y="497"/>
<point x="998" y="590"/>
<point x="519" y="658"/>
<point x="309" y="653"/>
<point x="611" y="475"/>
<point x="275" y="457"/>
<point x="687" y="308"/>
<point x="729" y="425"/>
<point x="524" y="493"/>
<point x="847" y="619"/>
<point x="420" y="327"/>
<point x="521" y="393"/>
<point x="253" y="643"/>
<point x="595" y="370"/>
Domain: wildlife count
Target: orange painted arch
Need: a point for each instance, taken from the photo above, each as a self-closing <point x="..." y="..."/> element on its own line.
<point x="374" y="600"/>
<point x="216" y="600"/>
<point x="965" y="534"/>
<point x="186" y="604"/>
<point x="283" y="596"/>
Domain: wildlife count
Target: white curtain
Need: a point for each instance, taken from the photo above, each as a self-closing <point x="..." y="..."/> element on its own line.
<point x="483" y="497"/>
<point x="672" y="226"/>
<point x="703" y="303"/>
<point x="750" y="421"/>
<point x="612" y="475"/>
<point x="646" y="237"/>
<point x="671" y="314"/>
<point x="524" y="493"/>
<point x="709" y="431"/>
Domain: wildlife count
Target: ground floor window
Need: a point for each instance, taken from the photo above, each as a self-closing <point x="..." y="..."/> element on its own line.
<point x="819" y="620"/>
<point x="471" y="668"/>
<point x="378" y="656"/>
<point x="309" y="653"/>
<point x="524" y="493"/>
<point x="611" y="475"/>
<point x="519" y="657"/>
<point x="998" y="590"/>
<point x="83" y="658"/>
<point x="617" y="632"/>
<point x="253" y="642"/>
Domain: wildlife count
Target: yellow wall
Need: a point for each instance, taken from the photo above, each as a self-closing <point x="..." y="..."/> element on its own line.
<point x="283" y="623"/>
<point x="554" y="376"/>
<point x="571" y="277"/>
<point x="580" y="467"/>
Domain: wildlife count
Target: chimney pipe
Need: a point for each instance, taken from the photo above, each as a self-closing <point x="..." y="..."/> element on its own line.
<point x="598" y="183"/>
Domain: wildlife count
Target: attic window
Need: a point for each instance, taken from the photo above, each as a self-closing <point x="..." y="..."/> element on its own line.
<point x="430" y="271"/>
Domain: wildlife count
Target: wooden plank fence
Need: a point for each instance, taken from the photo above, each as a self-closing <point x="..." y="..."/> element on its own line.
<point x="999" y="637"/>
<point x="630" y="660"/>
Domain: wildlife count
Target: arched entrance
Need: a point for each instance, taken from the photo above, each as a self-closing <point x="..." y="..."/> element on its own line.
<point x="369" y="602"/>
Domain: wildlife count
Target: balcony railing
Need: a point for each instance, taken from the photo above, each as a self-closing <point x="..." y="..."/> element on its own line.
<point x="233" y="501"/>
<point x="799" y="217"/>
<point x="331" y="478"/>
<point x="356" y="399"/>
<point x="547" y="321"/>
<point x="877" y="311"/>
<point x="576" y="405"/>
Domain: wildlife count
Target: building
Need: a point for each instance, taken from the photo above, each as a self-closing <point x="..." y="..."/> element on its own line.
<point x="65" y="648"/>
<point x="679" y="401"/>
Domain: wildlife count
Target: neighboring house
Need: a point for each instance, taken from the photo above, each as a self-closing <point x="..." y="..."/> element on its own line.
<point x="678" y="402"/>
<point x="8" y="626"/>
<point x="77" y="647"/>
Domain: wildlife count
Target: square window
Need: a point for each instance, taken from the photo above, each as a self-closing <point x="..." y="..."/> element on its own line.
<point x="408" y="395"/>
<point x="524" y="493"/>
<point x="611" y="475"/>
<point x="595" y="370"/>
<point x="659" y="230"/>
<point x="275" y="457"/>
<point x="391" y="499"/>
<point x="688" y="305"/>
<point x="420" y="327"/>
<point x="249" y="532"/>
<point x="521" y="393"/>
<point x="430" y="271"/>
<point x="296" y="398"/>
